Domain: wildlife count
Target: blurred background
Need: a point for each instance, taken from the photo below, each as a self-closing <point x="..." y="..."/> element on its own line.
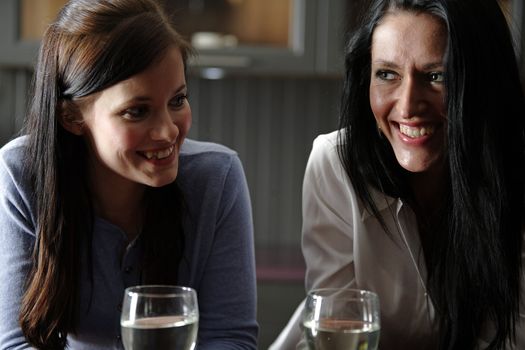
<point x="266" y="81"/>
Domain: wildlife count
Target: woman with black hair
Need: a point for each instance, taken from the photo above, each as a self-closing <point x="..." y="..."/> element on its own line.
<point x="105" y="191"/>
<point x="419" y="196"/>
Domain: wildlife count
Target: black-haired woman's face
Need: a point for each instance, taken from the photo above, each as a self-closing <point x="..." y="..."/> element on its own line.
<point x="407" y="91"/>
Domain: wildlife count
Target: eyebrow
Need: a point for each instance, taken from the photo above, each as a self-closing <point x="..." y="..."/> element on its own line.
<point x="146" y="98"/>
<point x="390" y="64"/>
<point x="141" y="98"/>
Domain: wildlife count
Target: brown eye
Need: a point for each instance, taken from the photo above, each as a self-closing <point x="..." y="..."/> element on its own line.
<point x="436" y="77"/>
<point x="178" y="101"/>
<point x="135" y="113"/>
<point x="386" y="75"/>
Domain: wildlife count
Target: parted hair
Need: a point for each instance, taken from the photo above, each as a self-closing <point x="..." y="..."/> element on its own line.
<point x="92" y="45"/>
<point x="474" y="261"/>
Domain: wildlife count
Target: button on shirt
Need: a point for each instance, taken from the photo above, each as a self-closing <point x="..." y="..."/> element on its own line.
<point x="112" y="256"/>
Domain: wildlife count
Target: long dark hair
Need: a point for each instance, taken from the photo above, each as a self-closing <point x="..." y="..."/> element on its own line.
<point x="474" y="263"/>
<point x="92" y="45"/>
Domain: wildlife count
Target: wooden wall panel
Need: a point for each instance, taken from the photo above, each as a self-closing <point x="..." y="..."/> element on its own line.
<point x="271" y="123"/>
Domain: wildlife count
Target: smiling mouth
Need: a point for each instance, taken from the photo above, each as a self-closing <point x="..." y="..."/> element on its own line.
<point x="160" y="154"/>
<point x="415" y="132"/>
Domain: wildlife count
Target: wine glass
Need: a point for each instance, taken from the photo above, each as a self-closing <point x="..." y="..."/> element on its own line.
<point x="159" y="317"/>
<point x="337" y="319"/>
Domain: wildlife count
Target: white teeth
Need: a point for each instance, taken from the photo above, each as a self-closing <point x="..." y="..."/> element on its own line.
<point x="159" y="154"/>
<point x="414" y="132"/>
<point x="165" y="153"/>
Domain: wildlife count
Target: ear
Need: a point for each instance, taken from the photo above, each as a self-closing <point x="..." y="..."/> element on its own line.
<point x="70" y="118"/>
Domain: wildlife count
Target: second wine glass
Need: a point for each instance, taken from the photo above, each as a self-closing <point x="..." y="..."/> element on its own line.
<point x="341" y="319"/>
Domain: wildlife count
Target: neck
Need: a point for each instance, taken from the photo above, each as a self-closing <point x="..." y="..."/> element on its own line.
<point x="118" y="201"/>
<point x="428" y="190"/>
<point x="429" y="195"/>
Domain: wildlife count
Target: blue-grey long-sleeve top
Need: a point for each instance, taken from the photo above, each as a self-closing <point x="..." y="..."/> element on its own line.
<point x="218" y="259"/>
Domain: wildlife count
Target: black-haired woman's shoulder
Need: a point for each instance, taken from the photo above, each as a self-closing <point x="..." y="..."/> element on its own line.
<point x="324" y="165"/>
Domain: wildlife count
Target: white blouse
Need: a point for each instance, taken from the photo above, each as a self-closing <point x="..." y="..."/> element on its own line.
<point x="345" y="246"/>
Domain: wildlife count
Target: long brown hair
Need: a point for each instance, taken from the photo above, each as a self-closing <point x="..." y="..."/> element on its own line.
<point x="92" y="45"/>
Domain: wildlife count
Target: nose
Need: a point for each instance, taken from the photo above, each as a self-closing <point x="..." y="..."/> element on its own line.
<point x="411" y="100"/>
<point x="164" y="127"/>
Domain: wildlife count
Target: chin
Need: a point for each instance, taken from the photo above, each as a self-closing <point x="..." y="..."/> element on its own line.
<point x="421" y="167"/>
<point x="160" y="182"/>
<point x="415" y="170"/>
<point x="419" y="162"/>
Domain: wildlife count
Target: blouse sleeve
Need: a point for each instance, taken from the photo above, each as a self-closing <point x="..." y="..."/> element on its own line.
<point x="16" y="245"/>
<point x="329" y="208"/>
<point x="227" y="292"/>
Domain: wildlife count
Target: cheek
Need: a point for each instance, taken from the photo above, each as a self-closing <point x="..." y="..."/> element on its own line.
<point x="121" y="140"/>
<point x="108" y="140"/>
<point x="437" y="107"/>
<point x="184" y="123"/>
<point x="125" y="136"/>
<point x="378" y="104"/>
<point x="128" y="141"/>
<point x="442" y="107"/>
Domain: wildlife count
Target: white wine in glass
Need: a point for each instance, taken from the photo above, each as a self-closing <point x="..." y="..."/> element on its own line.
<point x="341" y="319"/>
<point x="159" y="317"/>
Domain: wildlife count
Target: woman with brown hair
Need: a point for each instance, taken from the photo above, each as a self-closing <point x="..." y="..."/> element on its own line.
<point x="105" y="192"/>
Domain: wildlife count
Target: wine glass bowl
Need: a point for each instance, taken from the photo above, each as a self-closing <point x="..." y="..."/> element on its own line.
<point x="341" y="319"/>
<point x="159" y="317"/>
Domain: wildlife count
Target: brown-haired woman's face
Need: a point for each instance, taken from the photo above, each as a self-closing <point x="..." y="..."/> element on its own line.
<point x="135" y="128"/>
<point x="407" y="92"/>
